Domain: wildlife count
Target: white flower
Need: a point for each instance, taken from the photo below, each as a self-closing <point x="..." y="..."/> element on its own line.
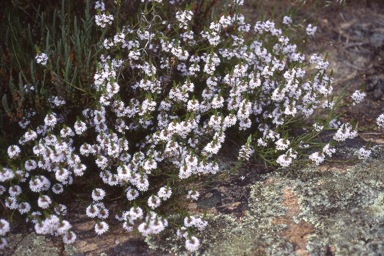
<point x="217" y="102"/>
<point x="358" y="97"/>
<point x="164" y="193"/>
<point x="311" y="30"/>
<point x="200" y="224"/>
<point x="132" y="194"/>
<point x="182" y="232"/>
<point x="15" y="190"/>
<point x="4" y="227"/>
<point x="317" y="157"/>
<point x="13" y="151"/>
<point x="30" y="165"/>
<point x="189" y="221"/>
<point x="61" y="174"/>
<point x="318" y="127"/>
<point x="136" y="213"/>
<point x="128" y="225"/>
<point x="42" y="59"/>
<point x="50" y="120"/>
<point x="364" y="153"/>
<point x="123" y="173"/>
<point x="80" y="127"/>
<point x="3" y="243"/>
<point x="92" y="211"/>
<point x="11" y="203"/>
<point x="102" y="162"/>
<point x="145" y="229"/>
<point x="261" y="142"/>
<point x="150" y="165"/>
<point x="57" y="188"/>
<point x="63" y="227"/>
<point x="282" y="144"/>
<point x="100" y="5"/>
<point x="41" y="228"/>
<point x="380" y="121"/>
<point x="329" y="150"/>
<point x="225" y="21"/>
<point x="69" y="237"/>
<point x="345" y="132"/>
<point x="192" y="244"/>
<point x="103" y="20"/>
<point x="24" y="207"/>
<point x="287" y="20"/>
<point x="154" y="202"/>
<point x="284" y="160"/>
<point x="60" y="209"/>
<point x="184" y="17"/>
<point x="193" y="195"/>
<point x="101" y="227"/>
<point x="44" y="201"/>
<point x="30" y="135"/>
<point x="66" y="132"/>
<point x="185" y="172"/>
<point x="193" y="105"/>
<point x="98" y="194"/>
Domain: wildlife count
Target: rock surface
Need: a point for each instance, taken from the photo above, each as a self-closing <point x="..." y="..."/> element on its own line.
<point x="325" y="210"/>
<point x="331" y="209"/>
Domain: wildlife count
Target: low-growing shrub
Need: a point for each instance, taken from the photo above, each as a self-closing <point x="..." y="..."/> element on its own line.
<point x="170" y="83"/>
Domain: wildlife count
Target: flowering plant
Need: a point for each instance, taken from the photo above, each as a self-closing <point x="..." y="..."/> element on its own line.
<point x="166" y="95"/>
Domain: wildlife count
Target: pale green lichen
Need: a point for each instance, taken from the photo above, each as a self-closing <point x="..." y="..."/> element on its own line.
<point x="33" y="244"/>
<point x="346" y="209"/>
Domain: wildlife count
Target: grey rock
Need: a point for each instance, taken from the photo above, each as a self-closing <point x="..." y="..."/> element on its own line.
<point x="371" y="83"/>
<point x="376" y="85"/>
<point x="302" y="210"/>
<point x="377" y="93"/>
<point x="377" y="39"/>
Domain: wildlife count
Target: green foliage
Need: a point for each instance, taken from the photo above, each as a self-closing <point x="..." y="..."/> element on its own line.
<point x="72" y="45"/>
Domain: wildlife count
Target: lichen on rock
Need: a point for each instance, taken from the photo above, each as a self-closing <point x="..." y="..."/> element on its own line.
<point x="300" y="211"/>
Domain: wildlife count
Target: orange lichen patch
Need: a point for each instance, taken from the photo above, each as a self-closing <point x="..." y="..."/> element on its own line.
<point x="338" y="170"/>
<point x="296" y="233"/>
<point x="334" y="168"/>
<point x="271" y="181"/>
<point x="233" y="206"/>
<point x="332" y="249"/>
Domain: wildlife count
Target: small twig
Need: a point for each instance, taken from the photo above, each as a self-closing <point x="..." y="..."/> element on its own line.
<point x="355" y="67"/>
<point x="354" y="44"/>
<point x="358" y="68"/>
<point x="4" y="206"/>
<point x="13" y="250"/>
<point x="261" y="165"/>
<point x="233" y="141"/>
<point x="349" y="35"/>
<point x="114" y="199"/>
<point x="364" y="139"/>
<point x="342" y="16"/>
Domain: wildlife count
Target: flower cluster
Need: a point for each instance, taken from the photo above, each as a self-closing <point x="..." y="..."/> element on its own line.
<point x="41" y="59"/>
<point x="346" y="131"/>
<point x="358" y="97"/>
<point x="191" y="243"/>
<point x="364" y="153"/>
<point x="4" y="229"/>
<point x="380" y="121"/>
<point x="311" y="30"/>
